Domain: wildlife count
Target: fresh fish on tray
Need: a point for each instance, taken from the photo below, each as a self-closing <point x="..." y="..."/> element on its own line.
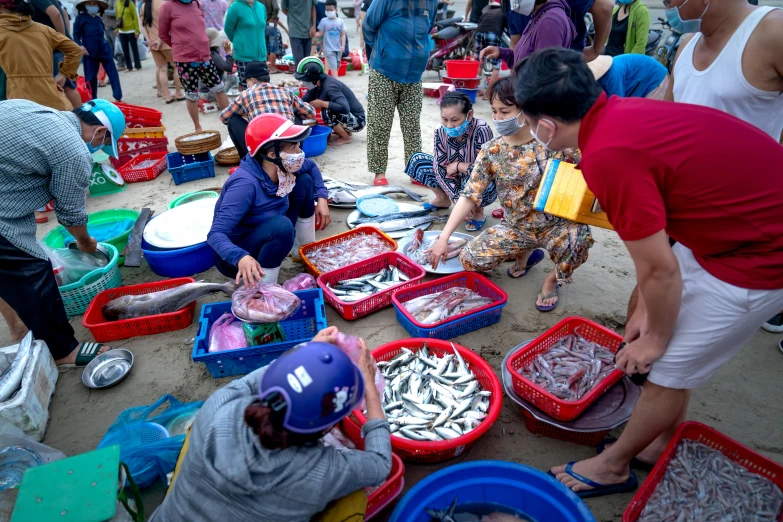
<point x="11" y="378"/>
<point x="352" y="195"/>
<point x="352" y="250"/>
<point x="702" y="484"/>
<point x="419" y="251"/>
<point x="350" y="290"/>
<point x="390" y="217"/>
<point x="431" y="397"/>
<point x="570" y="368"/>
<point x="162" y="302"/>
<point x="403" y="223"/>
<point x="437" y="307"/>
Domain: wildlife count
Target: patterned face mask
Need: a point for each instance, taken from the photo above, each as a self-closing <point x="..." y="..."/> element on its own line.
<point x="456" y="132"/>
<point x="292" y="162"/>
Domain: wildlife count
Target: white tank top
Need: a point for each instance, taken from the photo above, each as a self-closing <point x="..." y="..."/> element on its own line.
<point x="722" y="85"/>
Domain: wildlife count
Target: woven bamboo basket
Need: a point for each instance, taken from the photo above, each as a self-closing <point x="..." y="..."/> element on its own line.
<point x="227" y="157"/>
<point x="186" y="145"/>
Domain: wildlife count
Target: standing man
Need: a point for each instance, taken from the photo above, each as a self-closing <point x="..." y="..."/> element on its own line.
<point x="653" y="167"/>
<point x="44" y="158"/>
<point x="301" y="26"/>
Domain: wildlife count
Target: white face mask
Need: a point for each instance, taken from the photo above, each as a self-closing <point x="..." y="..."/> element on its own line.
<point x="523" y="7"/>
<point x="534" y="133"/>
<point x="331" y="14"/>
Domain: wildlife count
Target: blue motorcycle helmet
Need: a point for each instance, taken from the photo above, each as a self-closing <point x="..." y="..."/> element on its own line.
<point x="317" y="384"/>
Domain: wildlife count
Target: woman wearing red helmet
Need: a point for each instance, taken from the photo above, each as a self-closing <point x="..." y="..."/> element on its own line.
<point x="253" y="453"/>
<point x="267" y="205"/>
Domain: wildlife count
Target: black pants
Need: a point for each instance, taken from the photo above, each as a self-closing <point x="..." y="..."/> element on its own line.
<point x="130" y="45"/>
<point x="237" y="126"/>
<point x="27" y="284"/>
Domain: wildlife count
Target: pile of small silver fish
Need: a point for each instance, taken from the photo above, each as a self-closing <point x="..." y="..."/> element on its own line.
<point x="437" y="307"/>
<point x="197" y="137"/>
<point x="570" y="368"/>
<point x="419" y="251"/>
<point x="702" y="484"/>
<point x="432" y="398"/>
<point x="352" y="250"/>
<point x="400" y="221"/>
<point x="145" y="164"/>
<point x="350" y="290"/>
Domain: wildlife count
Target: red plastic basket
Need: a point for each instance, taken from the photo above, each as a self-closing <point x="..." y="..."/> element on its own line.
<point x="339" y="238"/>
<point x="129" y="148"/>
<point x="462" y="68"/>
<point x="105" y="331"/>
<point x="426" y="451"/>
<point x="388" y="491"/>
<point x="375" y="302"/>
<point x="739" y="453"/>
<point x="591" y="438"/>
<point x="139" y="112"/>
<point x="131" y="174"/>
<point x="553" y="406"/>
<point x="463" y="83"/>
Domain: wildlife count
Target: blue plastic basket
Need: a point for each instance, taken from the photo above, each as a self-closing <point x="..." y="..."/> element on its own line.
<point x="299" y="328"/>
<point x="180" y="262"/>
<point x="516" y="486"/>
<point x="459" y="325"/>
<point x="315" y="144"/>
<point x="190" y="167"/>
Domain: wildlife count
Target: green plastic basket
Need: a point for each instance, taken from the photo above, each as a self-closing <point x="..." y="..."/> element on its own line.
<point x="56" y="238"/>
<point x="77" y="296"/>
<point x="190" y="197"/>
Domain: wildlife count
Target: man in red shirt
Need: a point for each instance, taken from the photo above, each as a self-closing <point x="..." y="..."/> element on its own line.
<point x="661" y="169"/>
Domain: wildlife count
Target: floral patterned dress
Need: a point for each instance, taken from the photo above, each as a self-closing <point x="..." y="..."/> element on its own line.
<point x="516" y="171"/>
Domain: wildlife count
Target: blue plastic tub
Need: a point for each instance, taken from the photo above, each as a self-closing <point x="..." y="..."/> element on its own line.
<point x="471" y="93"/>
<point x="190" y="167"/>
<point x="180" y="262"/>
<point x="517" y="486"/>
<point x="315" y="144"/>
<point x="299" y="328"/>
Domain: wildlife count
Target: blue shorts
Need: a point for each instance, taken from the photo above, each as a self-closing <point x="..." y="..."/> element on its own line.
<point x="516" y="22"/>
<point x="57" y="57"/>
<point x="272" y="35"/>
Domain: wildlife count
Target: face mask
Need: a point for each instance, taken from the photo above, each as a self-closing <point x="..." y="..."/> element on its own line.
<point x="535" y="135"/>
<point x="508" y="126"/>
<point x="456" y="132"/>
<point x="309" y="85"/>
<point x="292" y="162"/>
<point x="92" y="9"/>
<point x="523" y="7"/>
<point x="683" y="26"/>
<point x="185" y="1"/>
<point x="625" y="2"/>
<point x="331" y="14"/>
<point x="95" y="148"/>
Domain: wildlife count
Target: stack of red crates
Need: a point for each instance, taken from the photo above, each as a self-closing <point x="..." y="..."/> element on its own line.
<point x="137" y="117"/>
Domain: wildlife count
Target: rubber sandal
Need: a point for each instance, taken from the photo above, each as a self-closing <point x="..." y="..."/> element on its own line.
<point x="417" y="183"/>
<point x="550" y="307"/>
<point x="170" y="101"/>
<point x="430" y="207"/>
<point x="635" y="463"/>
<point x="599" y="490"/>
<point x="87" y="352"/>
<point x="42" y="219"/>
<point x="381" y="182"/>
<point x="532" y="261"/>
<point x="498" y="213"/>
<point x="475" y="223"/>
<point x="180" y="99"/>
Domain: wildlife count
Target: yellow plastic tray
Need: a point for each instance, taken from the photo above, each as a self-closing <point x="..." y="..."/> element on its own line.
<point x="145" y="132"/>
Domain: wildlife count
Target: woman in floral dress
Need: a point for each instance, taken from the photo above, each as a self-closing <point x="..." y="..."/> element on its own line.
<point x="516" y="164"/>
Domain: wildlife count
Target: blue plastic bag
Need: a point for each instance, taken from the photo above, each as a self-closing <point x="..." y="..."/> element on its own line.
<point x="103" y="232"/>
<point x="143" y="436"/>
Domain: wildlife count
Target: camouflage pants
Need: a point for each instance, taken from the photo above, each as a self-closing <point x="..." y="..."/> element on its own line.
<point x="567" y="243"/>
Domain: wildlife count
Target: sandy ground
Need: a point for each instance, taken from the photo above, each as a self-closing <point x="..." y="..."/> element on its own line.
<point x="743" y="399"/>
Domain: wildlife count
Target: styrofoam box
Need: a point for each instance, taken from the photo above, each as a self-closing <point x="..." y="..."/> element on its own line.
<point x="28" y="407"/>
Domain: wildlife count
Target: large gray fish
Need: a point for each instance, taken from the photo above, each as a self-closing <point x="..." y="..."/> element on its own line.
<point x="165" y="301"/>
<point x="390" y="217"/>
<point x="12" y="376"/>
<point x="352" y="195"/>
<point x="402" y="224"/>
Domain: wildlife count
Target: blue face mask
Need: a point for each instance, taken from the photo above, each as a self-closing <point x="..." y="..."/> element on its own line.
<point x="625" y="2"/>
<point x="103" y="146"/>
<point x="683" y="26"/>
<point x="92" y="9"/>
<point x="456" y="132"/>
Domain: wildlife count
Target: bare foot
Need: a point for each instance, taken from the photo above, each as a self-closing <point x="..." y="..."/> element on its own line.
<point x="595" y="469"/>
<point x="71" y="357"/>
<point x="340" y="141"/>
<point x="198" y="129"/>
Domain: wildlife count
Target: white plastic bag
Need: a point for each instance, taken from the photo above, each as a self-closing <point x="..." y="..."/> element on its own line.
<point x="10" y="435"/>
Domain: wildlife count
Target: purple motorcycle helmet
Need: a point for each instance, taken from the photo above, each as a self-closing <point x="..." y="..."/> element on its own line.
<point x="317" y="383"/>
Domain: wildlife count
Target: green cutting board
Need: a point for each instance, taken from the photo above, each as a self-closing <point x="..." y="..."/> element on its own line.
<point x="77" y="489"/>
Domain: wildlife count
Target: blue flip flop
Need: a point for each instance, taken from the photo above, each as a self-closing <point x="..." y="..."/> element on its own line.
<point x="549" y="296"/>
<point x="635" y="463"/>
<point x="599" y="490"/>
<point x="429" y="206"/>
<point x="532" y="260"/>
<point x="475" y="223"/>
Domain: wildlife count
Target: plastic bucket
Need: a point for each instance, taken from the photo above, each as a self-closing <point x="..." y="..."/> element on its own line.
<point x="179" y="262"/>
<point x="315" y="144"/>
<point x="471" y="93"/>
<point x="190" y="197"/>
<point x="105" y="218"/>
<point x="462" y="68"/>
<point x="517" y="486"/>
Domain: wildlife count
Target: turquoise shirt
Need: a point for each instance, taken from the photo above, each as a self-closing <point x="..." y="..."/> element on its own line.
<point x="245" y="26"/>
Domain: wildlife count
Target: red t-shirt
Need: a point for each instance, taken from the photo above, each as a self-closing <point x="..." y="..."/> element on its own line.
<point x="712" y="181"/>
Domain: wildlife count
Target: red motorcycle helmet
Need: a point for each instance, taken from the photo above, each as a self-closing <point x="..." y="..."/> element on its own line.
<point x="268" y="128"/>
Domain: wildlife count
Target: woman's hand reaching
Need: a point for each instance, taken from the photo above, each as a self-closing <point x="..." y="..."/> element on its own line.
<point x="249" y="271"/>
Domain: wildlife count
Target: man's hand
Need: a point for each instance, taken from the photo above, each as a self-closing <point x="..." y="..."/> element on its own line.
<point x="590" y="54"/>
<point x="322" y="215"/>
<point x="489" y="53"/>
<point x="320" y="104"/>
<point x="439" y="251"/>
<point x="312" y="32"/>
<point x="155" y="46"/>
<point x="249" y="271"/>
<point x="452" y="169"/>
<point x="84" y="51"/>
<point x="327" y="335"/>
<point x="638" y="356"/>
<point x="88" y="244"/>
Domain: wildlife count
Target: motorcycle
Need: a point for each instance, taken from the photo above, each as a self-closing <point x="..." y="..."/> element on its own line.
<point x="665" y="52"/>
<point x="453" y="40"/>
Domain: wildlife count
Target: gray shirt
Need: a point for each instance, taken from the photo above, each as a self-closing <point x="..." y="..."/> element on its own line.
<point x="42" y="158"/>
<point x="228" y="475"/>
<point x="299" y="15"/>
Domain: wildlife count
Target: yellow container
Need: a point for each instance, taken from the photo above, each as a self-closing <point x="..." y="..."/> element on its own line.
<point x="145" y="132"/>
<point x="563" y="192"/>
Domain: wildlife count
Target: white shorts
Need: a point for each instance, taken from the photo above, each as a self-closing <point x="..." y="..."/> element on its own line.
<point x="716" y="320"/>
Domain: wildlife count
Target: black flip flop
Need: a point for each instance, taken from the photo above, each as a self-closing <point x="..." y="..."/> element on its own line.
<point x="532" y="261"/>
<point x="635" y="463"/>
<point x="599" y="490"/>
